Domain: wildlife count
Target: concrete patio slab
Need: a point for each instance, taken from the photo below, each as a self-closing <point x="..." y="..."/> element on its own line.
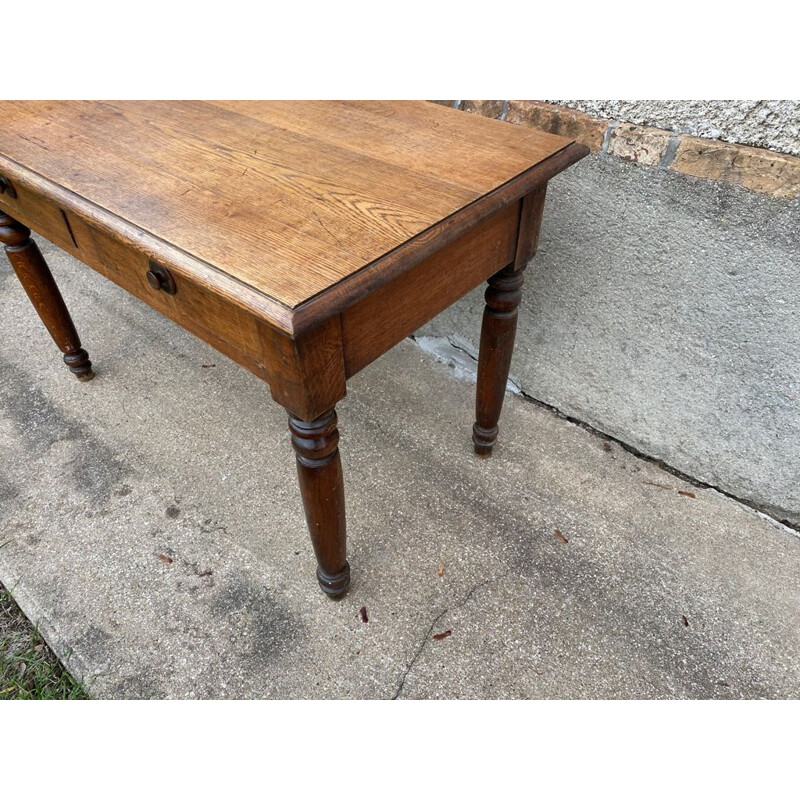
<point x="151" y="524"/>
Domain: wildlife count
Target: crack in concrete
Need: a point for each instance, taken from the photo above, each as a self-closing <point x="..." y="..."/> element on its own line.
<point x="634" y="451"/>
<point x="417" y="654"/>
<point x="428" y="632"/>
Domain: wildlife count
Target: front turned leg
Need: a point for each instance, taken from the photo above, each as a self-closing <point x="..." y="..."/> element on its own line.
<point x="41" y="288"/>
<point x="319" y="470"/>
<point x="494" y="360"/>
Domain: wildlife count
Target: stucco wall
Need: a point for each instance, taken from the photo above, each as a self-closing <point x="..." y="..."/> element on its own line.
<point x="662" y="310"/>
<point x="773" y="124"/>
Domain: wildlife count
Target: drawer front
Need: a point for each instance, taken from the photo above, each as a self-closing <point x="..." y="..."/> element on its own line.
<point x="37" y="214"/>
<point x="225" y="326"/>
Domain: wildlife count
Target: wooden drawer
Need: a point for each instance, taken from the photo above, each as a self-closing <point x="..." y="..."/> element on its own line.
<point x="225" y="326"/>
<point x="39" y="215"/>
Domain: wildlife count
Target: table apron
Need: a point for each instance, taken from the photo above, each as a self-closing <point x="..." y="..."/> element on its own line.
<point x="364" y="330"/>
<point x="373" y="325"/>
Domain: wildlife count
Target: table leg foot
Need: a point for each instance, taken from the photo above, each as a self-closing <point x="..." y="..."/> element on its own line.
<point x="334" y="585"/>
<point x="79" y="365"/>
<point x="483" y="439"/>
<point x="319" y="472"/>
<point x="494" y="360"/>
<point x="41" y="288"/>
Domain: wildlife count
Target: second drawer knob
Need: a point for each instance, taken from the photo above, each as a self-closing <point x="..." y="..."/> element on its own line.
<point x="160" y="278"/>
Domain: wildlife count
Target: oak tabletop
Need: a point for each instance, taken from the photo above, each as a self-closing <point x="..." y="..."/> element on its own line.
<point x="289" y="198"/>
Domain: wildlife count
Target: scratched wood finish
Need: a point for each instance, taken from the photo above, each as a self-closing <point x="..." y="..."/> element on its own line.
<point x="474" y="153"/>
<point x="310" y="193"/>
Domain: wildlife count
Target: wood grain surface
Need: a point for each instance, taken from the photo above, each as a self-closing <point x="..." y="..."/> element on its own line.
<point x="289" y="199"/>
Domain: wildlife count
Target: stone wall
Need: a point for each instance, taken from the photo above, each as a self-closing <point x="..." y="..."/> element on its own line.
<point x="755" y="168"/>
<point x="772" y="124"/>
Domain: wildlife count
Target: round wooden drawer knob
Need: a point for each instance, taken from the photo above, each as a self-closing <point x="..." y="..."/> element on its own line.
<point x="160" y="279"/>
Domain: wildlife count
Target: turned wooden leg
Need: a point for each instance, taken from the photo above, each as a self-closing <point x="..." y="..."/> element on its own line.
<point x="500" y="325"/>
<point x="319" y="470"/>
<point x="494" y="360"/>
<point x="38" y="282"/>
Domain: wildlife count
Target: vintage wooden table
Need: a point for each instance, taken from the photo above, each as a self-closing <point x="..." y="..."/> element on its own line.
<point x="301" y="239"/>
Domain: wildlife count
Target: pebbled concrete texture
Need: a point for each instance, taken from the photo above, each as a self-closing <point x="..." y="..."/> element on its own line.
<point x="662" y="310"/>
<point x="151" y="524"/>
<point x="772" y="124"/>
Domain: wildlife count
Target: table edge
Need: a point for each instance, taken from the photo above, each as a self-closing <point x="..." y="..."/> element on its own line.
<point x="341" y="295"/>
<point x="334" y="299"/>
<point x="183" y="263"/>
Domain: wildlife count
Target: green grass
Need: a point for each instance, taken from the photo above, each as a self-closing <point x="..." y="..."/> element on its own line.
<point x="29" y="670"/>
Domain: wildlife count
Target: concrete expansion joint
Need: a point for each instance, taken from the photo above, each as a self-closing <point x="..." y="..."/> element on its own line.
<point x="668" y="468"/>
<point x="633" y="450"/>
<point x="426" y="638"/>
<point x="462" y="349"/>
